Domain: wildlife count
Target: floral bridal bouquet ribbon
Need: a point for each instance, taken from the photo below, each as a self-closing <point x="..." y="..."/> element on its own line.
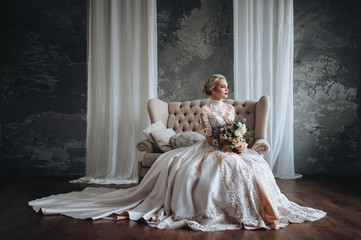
<point x="233" y="136"/>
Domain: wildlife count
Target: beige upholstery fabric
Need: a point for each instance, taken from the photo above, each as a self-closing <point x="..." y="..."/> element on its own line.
<point x="185" y="117"/>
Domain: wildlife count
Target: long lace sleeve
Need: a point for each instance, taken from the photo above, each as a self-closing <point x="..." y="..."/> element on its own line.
<point x="206" y="125"/>
<point x="207" y="128"/>
<point x="232" y="113"/>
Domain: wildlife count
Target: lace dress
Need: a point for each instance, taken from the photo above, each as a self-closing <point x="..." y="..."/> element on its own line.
<point x="192" y="187"/>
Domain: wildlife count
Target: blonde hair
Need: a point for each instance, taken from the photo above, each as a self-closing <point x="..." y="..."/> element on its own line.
<point x="211" y="84"/>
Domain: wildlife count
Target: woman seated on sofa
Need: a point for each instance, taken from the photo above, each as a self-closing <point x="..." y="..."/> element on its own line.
<point x="215" y="184"/>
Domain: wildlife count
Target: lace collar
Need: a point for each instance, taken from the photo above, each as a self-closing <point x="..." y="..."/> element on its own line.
<point x="216" y="103"/>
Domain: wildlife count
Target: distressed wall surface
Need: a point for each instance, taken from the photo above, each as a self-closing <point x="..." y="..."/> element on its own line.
<point x="43" y="87"/>
<point x="327" y="86"/>
<point x="195" y="40"/>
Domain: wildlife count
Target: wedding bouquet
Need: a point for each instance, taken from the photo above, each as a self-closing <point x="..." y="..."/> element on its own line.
<point x="233" y="136"/>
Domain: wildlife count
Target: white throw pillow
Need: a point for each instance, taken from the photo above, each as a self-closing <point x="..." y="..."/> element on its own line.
<point x="162" y="137"/>
<point x="158" y="125"/>
<point x="185" y="139"/>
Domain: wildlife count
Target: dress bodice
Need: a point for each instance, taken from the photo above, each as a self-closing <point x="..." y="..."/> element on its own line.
<point x="215" y="114"/>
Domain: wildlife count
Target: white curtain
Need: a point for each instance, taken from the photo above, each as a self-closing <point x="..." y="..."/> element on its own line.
<point x="263" y="65"/>
<point x="122" y="76"/>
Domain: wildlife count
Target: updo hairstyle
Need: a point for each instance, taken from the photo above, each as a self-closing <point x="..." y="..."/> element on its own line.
<point x="211" y="83"/>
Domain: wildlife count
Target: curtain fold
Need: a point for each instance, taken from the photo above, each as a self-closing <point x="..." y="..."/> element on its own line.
<point x="263" y="65"/>
<point x="122" y="77"/>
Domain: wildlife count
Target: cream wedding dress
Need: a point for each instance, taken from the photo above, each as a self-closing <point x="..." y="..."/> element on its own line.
<point x="198" y="186"/>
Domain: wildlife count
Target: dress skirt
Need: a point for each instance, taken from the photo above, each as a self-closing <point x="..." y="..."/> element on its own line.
<point x="198" y="187"/>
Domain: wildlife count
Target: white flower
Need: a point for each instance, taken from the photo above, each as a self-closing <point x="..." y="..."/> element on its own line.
<point x="238" y="133"/>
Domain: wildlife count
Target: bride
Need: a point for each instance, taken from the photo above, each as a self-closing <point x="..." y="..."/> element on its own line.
<point x="192" y="187"/>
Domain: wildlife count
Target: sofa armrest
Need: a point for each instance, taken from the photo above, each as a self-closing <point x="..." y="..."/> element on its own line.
<point x="146" y="146"/>
<point x="261" y="146"/>
<point x="262" y="107"/>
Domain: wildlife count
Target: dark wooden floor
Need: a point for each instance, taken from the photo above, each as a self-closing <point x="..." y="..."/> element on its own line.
<point x="340" y="196"/>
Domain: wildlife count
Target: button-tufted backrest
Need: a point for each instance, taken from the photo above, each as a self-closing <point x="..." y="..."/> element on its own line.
<point x="185" y="116"/>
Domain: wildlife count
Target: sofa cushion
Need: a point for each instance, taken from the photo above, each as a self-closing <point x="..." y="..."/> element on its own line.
<point x="162" y="137"/>
<point x="158" y="125"/>
<point x="185" y="139"/>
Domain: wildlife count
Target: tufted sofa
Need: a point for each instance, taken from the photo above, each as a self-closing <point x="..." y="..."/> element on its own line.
<point x="185" y="117"/>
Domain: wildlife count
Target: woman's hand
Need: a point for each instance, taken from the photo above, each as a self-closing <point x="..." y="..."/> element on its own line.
<point x="241" y="146"/>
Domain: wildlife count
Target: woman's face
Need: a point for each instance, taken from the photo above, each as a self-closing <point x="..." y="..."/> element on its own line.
<point x="221" y="91"/>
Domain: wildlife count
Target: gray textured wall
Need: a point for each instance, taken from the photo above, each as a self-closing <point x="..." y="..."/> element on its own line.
<point x="42" y="87"/>
<point x="195" y="40"/>
<point x="327" y="86"/>
<point x="43" y="78"/>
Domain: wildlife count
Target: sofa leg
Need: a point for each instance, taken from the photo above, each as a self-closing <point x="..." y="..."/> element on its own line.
<point x="139" y="171"/>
